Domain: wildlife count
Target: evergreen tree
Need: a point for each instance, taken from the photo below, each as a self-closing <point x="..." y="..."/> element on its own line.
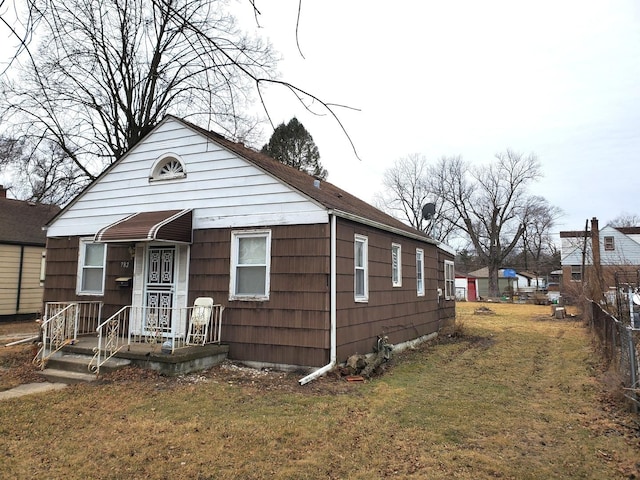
<point x="293" y="145"/>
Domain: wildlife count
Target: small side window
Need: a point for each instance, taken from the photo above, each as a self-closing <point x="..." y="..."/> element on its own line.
<point x="576" y="273"/>
<point x="420" y="272"/>
<point x="609" y="244"/>
<point x="361" y="268"/>
<point x="396" y="265"/>
<point x="449" y="280"/>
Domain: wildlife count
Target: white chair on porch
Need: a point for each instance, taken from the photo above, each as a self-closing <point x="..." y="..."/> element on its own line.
<point x="199" y="321"/>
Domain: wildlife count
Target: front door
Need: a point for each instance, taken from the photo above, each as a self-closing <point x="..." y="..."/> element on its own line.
<point x="160" y="289"/>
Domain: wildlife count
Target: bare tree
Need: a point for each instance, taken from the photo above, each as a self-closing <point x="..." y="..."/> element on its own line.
<point x="626" y="219"/>
<point x="491" y="203"/>
<point x="407" y="191"/>
<point x="108" y="71"/>
<point x="539" y="249"/>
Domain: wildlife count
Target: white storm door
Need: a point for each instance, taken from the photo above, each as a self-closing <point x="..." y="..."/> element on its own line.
<point x="160" y="287"/>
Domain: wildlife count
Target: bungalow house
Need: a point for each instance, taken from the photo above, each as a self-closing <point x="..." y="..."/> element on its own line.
<point x="22" y="242"/>
<point x="307" y="274"/>
<point x="615" y="249"/>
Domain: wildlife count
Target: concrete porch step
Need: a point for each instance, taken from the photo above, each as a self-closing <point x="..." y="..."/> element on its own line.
<point x="55" y="375"/>
<point x="76" y="362"/>
<point x="65" y="367"/>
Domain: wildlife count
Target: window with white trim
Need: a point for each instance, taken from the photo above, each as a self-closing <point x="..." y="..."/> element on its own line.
<point x="609" y="244"/>
<point x="449" y="280"/>
<point x="250" y="265"/>
<point x="420" y="272"/>
<point x="92" y="259"/>
<point x="396" y="265"/>
<point x="361" y="268"/>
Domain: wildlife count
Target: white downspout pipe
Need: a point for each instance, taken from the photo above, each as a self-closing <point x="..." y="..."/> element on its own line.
<point x="333" y="308"/>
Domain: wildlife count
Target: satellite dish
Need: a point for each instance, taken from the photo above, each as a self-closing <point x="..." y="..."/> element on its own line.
<point x="636" y="298"/>
<point x="428" y="211"/>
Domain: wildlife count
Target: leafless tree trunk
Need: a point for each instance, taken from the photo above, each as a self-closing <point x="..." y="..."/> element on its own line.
<point x="491" y="202"/>
<point x="536" y="241"/>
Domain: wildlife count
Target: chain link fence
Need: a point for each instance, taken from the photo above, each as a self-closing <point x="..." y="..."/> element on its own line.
<point x="619" y="343"/>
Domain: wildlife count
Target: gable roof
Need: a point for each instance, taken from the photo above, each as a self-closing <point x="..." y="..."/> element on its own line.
<point x="21" y="223"/>
<point x="323" y="192"/>
<point x="329" y="196"/>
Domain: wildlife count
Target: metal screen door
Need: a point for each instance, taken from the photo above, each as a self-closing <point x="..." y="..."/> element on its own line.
<point x="160" y="289"/>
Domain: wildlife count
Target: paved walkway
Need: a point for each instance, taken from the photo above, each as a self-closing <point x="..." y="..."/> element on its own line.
<point x="29" y="388"/>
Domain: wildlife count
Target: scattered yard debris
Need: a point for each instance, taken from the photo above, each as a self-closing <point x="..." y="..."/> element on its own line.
<point x="484" y="311"/>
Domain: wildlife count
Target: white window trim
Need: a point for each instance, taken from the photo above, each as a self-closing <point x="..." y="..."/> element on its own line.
<point x="235" y="236"/>
<point x="81" y="267"/>
<point x="609" y="243"/>
<point x="162" y="160"/>
<point x="365" y="252"/>
<point x="419" y="272"/>
<point x="396" y="282"/>
<point x="449" y="283"/>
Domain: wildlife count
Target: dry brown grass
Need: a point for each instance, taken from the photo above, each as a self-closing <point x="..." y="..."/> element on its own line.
<point x="516" y="395"/>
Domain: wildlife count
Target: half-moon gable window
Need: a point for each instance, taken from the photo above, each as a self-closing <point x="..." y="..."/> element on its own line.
<point x="168" y="167"/>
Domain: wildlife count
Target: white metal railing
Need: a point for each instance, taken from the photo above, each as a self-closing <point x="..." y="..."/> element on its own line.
<point x="152" y="328"/>
<point x="62" y="323"/>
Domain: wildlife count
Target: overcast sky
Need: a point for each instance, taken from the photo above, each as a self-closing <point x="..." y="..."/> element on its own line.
<point x="556" y="78"/>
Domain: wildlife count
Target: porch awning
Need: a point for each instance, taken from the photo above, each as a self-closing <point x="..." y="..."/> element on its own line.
<point x="166" y="225"/>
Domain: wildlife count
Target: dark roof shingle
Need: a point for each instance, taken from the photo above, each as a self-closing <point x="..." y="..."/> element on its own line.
<point x="325" y="193"/>
<point x="21" y="222"/>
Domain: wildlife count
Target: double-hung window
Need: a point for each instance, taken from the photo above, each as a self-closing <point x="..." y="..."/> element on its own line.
<point x="449" y="280"/>
<point x="250" y="265"/>
<point x="361" y="268"/>
<point x="396" y="265"/>
<point x="91" y="268"/>
<point x="576" y="273"/>
<point x="420" y="271"/>
<point x="609" y="244"/>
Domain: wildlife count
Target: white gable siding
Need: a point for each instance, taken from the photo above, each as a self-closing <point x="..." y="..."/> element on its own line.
<point x="626" y="250"/>
<point x="222" y="189"/>
<point x="571" y="251"/>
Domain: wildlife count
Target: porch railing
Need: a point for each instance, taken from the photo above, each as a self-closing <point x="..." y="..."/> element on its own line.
<point x="62" y="323"/>
<point x="151" y="329"/>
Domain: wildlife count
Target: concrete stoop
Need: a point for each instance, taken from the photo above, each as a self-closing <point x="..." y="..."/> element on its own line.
<point x="63" y="367"/>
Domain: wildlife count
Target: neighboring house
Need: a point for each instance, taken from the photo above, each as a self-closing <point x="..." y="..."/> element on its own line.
<point x="466" y="287"/>
<point x="22" y="242"/>
<point x="530" y="282"/>
<point x="507" y="283"/>
<point x="616" y="249"/>
<point x="308" y="274"/>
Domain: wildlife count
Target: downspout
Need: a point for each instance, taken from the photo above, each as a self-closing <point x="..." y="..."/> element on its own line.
<point x="332" y="313"/>
<point x="20" y="279"/>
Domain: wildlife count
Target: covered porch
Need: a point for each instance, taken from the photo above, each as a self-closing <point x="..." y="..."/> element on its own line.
<point x="169" y="340"/>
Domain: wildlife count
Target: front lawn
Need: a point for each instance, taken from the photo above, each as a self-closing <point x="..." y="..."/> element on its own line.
<point x="517" y="396"/>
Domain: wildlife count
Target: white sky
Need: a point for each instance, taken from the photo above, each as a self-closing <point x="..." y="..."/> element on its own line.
<point x="557" y="78"/>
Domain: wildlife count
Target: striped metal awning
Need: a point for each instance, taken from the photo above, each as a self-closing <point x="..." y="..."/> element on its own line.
<point x="165" y="225"/>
